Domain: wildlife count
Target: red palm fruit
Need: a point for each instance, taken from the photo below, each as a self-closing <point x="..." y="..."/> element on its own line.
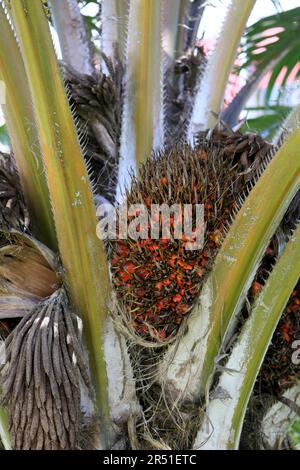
<point x="125" y="277"/>
<point x="177" y="298"/>
<point x="130" y="267"/>
<point x="256" y="288"/>
<point x="142" y="273"/>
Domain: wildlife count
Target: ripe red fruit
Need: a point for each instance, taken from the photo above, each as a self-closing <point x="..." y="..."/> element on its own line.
<point x="122" y="249"/>
<point x="129" y="267"/>
<point x="184" y="265"/>
<point x="143" y="273"/>
<point x="256" y="288"/>
<point x="177" y="298"/>
<point x="115" y="261"/>
<point x="125" y="276"/>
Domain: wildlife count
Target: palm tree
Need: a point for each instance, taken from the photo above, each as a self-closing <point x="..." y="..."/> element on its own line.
<point x="130" y="343"/>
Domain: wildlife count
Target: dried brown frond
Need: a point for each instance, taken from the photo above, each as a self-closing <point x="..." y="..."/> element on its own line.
<point x="23" y="270"/>
<point x="29" y="272"/>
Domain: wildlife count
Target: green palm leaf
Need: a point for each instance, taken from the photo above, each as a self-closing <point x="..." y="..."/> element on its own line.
<point x="282" y="33"/>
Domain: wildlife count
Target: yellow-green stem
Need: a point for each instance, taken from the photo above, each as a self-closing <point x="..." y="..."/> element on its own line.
<point x="81" y="252"/>
<point x="209" y="99"/>
<point x="23" y="134"/>
<point x="226" y="415"/>
<point x="142" y="127"/>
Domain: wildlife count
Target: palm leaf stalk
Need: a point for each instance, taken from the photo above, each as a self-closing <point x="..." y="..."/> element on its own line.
<point x="182" y="27"/>
<point x="170" y="22"/>
<point x="209" y="99"/>
<point x="194" y="19"/>
<point x="73" y="37"/>
<point x="181" y="23"/>
<point x="185" y="63"/>
<point x="97" y="101"/>
<point x="22" y="129"/>
<point x="114" y="17"/>
<point x="142" y="127"/>
<point x="70" y="192"/>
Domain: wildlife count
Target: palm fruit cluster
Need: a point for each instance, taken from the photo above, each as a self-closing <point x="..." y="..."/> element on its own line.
<point x="249" y="151"/>
<point x="158" y="281"/>
<point x="97" y="102"/>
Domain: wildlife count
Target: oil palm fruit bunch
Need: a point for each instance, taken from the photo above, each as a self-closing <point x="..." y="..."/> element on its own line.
<point x="159" y="280"/>
<point x="133" y="343"/>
